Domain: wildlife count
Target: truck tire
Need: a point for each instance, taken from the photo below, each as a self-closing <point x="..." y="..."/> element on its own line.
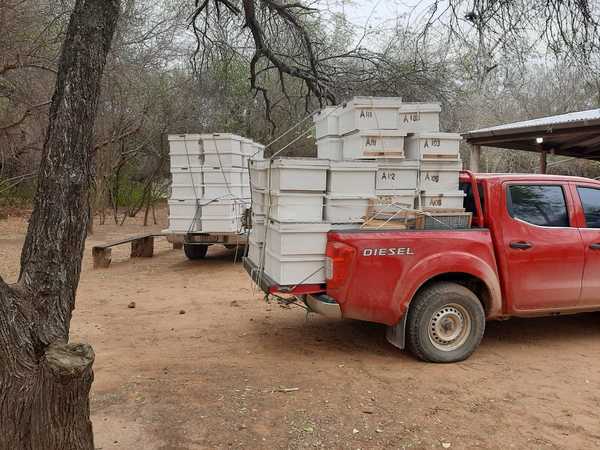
<point x="195" y="251"/>
<point x="445" y="323"/>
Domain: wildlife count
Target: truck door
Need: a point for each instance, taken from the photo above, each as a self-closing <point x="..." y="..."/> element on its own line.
<point x="542" y="247"/>
<point x="590" y="233"/>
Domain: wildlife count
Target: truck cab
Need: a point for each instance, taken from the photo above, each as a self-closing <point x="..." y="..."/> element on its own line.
<point x="533" y="249"/>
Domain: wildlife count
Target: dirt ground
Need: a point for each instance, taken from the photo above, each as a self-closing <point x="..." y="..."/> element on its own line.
<point x="215" y="377"/>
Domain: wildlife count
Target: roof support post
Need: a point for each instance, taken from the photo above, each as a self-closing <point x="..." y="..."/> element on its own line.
<point x="475" y="159"/>
<point x="543" y="161"/>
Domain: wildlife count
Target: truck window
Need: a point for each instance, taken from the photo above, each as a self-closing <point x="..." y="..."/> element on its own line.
<point x="542" y="205"/>
<point x="590" y="200"/>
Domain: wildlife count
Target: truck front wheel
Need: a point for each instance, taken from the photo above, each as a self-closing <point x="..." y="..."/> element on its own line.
<point x="445" y="323"/>
<point x="195" y="251"/>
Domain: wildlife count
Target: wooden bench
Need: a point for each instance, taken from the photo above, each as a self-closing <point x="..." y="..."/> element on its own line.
<point x="142" y="246"/>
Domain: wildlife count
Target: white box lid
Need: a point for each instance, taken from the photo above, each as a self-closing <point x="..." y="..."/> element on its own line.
<point x="301" y="163"/>
<point x="295" y="194"/>
<point x="354" y="166"/>
<point x="221" y="136"/>
<point x="397" y="192"/>
<point x="223" y="170"/>
<point x="443" y="194"/>
<point x="350" y="197"/>
<point x="436" y="135"/>
<point x="403" y="164"/>
<point x="420" y="107"/>
<point x="299" y="227"/>
<point x="185" y="137"/>
<point x="380" y="133"/>
<point x="296" y="258"/>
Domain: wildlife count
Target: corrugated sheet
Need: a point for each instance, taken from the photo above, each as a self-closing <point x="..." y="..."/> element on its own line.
<point x="579" y="116"/>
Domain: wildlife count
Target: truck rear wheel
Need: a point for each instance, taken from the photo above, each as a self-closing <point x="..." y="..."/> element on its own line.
<point x="195" y="251"/>
<point x="445" y="323"/>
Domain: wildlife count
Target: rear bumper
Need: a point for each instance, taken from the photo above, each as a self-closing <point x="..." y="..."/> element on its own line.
<point x="325" y="306"/>
<point x="269" y="286"/>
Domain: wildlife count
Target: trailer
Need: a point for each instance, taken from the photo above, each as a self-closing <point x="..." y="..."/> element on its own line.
<point x="195" y="245"/>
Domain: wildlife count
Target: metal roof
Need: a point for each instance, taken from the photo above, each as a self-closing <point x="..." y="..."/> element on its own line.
<point x="575" y="134"/>
<point x="590" y="114"/>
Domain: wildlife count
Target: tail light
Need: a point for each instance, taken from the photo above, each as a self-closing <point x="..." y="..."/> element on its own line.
<point x="338" y="262"/>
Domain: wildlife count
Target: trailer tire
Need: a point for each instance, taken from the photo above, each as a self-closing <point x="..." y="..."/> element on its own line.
<point x="195" y="251"/>
<point x="445" y="324"/>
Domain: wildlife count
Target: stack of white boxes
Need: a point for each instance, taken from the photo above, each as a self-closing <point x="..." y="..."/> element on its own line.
<point x="417" y="165"/>
<point x="211" y="188"/>
<point x="289" y="235"/>
<point x="371" y="151"/>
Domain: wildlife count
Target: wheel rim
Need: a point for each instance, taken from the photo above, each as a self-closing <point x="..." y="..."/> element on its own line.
<point x="449" y="327"/>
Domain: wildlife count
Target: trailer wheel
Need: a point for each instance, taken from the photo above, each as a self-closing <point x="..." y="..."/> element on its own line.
<point x="195" y="251"/>
<point x="445" y="323"/>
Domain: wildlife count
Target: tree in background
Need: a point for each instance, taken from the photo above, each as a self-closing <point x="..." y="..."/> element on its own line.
<point x="44" y="379"/>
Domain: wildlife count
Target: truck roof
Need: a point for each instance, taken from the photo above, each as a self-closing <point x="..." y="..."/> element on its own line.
<point x="499" y="177"/>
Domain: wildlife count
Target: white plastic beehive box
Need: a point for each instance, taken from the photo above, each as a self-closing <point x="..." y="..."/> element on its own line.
<point x="254" y="250"/>
<point x="296" y="207"/>
<point x="220" y="176"/>
<point x="225" y="160"/>
<point x="346" y="209"/>
<point x="260" y="202"/>
<point x="369" y="113"/>
<point x="440" y="175"/>
<point x="419" y="117"/>
<point x="433" y="146"/>
<point x="184" y="224"/>
<point x="221" y="208"/>
<point x="285" y="239"/>
<point x="186" y="192"/>
<point x="258" y="173"/>
<point x="213" y="191"/>
<point x="331" y="148"/>
<point x="444" y="200"/>
<point x="258" y="230"/>
<point x="231" y="224"/>
<point x="187" y="208"/>
<point x="292" y="270"/>
<point x="298" y="174"/>
<point x="374" y="144"/>
<point x="351" y="178"/>
<point x="327" y="122"/>
<point x="185" y="144"/>
<point x="186" y="161"/>
<point x="397" y="176"/>
<point x="183" y="176"/>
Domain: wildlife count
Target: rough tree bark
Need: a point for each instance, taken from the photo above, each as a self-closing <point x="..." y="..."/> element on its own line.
<point x="44" y="380"/>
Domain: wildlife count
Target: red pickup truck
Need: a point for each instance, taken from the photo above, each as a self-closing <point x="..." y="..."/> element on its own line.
<point x="533" y="250"/>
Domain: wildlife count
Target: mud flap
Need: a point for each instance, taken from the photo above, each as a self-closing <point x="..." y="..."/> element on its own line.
<point x="396" y="333"/>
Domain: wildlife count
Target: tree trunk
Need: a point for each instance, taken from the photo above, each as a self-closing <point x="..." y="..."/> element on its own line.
<point x="44" y="381"/>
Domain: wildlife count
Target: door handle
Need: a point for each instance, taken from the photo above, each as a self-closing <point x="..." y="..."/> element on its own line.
<point x="520" y="245"/>
<point x="595" y="246"/>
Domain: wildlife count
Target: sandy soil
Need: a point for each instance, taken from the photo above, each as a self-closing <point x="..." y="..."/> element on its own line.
<point x="212" y="377"/>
